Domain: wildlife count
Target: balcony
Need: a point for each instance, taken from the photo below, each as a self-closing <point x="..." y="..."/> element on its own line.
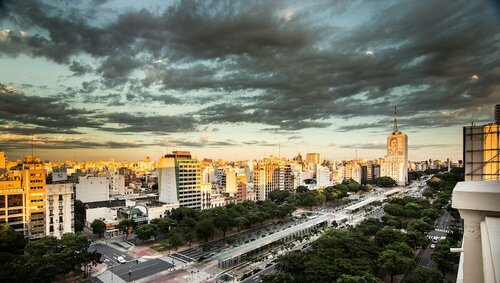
<point x="478" y="204"/>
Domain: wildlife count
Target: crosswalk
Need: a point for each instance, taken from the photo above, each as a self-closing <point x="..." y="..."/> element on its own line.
<point x="443" y="230"/>
<point x="93" y="243"/>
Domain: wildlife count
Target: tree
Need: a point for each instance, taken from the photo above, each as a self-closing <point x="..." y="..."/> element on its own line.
<point x="175" y="239"/>
<point x="98" y="227"/>
<point x="164" y="225"/>
<point x="443" y="257"/>
<point x="388" y="235"/>
<point x="384" y="182"/>
<point x="420" y="226"/>
<point x="278" y="196"/>
<point x="11" y="241"/>
<point x="431" y="213"/>
<point x="426" y="275"/>
<point x="415" y="239"/>
<point x="146" y="231"/>
<point x="241" y="222"/>
<point x="301" y="189"/>
<point x="205" y="229"/>
<point x="125" y="226"/>
<point x="401" y="248"/>
<point x="79" y="216"/>
<point x="394" y="263"/>
<point x="223" y="222"/>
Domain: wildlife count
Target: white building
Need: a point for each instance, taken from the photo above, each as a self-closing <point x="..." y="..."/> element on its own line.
<point x="117" y="183"/>
<point x="179" y="180"/>
<point x="217" y="200"/>
<point x="59" y="210"/>
<point x="395" y="164"/>
<point x="90" y="188"/>
<point x="322" y="177"/>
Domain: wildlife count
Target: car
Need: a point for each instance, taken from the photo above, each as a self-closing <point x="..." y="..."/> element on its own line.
<point x="433" y="246"/>
<point x="434" y="241"/>
<point x="121" y="259"/>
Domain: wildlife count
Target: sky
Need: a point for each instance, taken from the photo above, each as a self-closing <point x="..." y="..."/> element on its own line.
<point x="244" y="79"/>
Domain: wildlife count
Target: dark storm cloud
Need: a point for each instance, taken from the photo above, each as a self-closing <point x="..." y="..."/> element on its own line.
<point x="135" y="123"/>
<point x="183" y="142"/>
<point x="79" y="69"/>
<point x="289" y="72"/>
<point x="44" y="112"/>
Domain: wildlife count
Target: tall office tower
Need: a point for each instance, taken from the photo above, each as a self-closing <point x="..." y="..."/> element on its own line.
<point x="314" y="158"/>
<point x="59" y="210"/>
<point x="33" y="181"/>
<point x="3" y="164"/>
<point x="395" y="164"/>
<point x="179" y="180"/>
<point x="481" y="150"/>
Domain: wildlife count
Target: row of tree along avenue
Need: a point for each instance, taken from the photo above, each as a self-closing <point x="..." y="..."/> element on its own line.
<point x="43" y="260"/>
<point x="377" y="250"/>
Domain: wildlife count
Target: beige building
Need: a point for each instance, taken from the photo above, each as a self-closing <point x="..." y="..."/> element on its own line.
<point x="3" y="164"/>
<point x="395" y="163"/>
<point x="313" y="158"/>
<point x="59" y="210"/>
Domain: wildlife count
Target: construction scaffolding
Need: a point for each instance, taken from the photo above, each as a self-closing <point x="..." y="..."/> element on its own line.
<point x="481" y="152"/>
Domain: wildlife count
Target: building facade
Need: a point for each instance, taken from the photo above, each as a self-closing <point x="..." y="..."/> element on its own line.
<point x="60" y="210"/>
<point x="395" y="163"/>
<point x="91" y="188"/>
<point x="481" y="152"/>
<point x="179" y="180"/>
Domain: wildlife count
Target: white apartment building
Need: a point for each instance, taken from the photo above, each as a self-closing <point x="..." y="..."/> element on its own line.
<point x="90" y="188"/>
<point x="117" y="183"/>
<point x="59" y="210"/>
<point x="322" y="177"/>
<point x="179" y="180"/>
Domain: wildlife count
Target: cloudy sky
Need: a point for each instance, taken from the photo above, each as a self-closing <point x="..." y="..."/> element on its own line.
<point x="233" y="79"/>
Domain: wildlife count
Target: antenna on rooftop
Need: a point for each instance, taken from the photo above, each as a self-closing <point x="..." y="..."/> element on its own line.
<point x="32" y="143"/>
<point x="395" y="120"/>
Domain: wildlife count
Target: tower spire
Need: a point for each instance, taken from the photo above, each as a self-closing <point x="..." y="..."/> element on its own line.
<point x="395" y="120"/>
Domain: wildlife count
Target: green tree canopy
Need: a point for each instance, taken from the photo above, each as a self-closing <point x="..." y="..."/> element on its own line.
<point x="98" y="227"/>
<point x="11" y="241"/>
<point x="384" y="182"/>
<point x="394" y="263"/>
<point x="426" y="275"/>
<point x="205" y="229"/>
<point x="145" y="232"/>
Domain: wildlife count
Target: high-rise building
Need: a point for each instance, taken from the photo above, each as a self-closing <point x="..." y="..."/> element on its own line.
<point x="270" y="175"/>
<point x="179" y="180"/>
<point x="481" y="150"/>
<point x="59" y="210"/>
<point x="395" y="163"/>
<point x="2" y="162"/>
<point x="33" y="181"/>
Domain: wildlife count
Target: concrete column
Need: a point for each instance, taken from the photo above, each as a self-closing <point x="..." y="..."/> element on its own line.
<point x="473" y="255"/>
<point x="475" y="200"/>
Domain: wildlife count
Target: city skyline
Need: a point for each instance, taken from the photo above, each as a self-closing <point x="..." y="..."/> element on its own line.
<point x="126" y="80"/>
